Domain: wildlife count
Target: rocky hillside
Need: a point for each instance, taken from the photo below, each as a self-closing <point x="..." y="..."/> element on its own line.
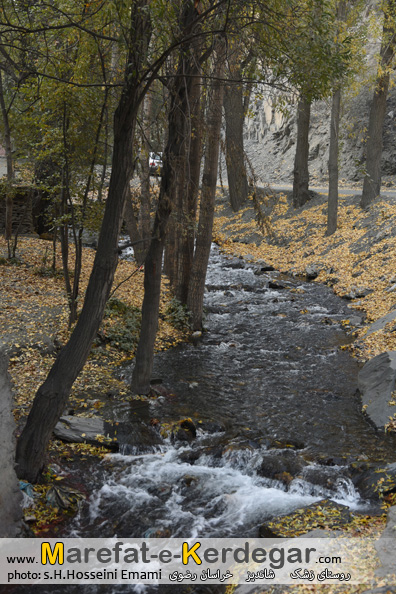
<point x="270" y="136"/>
<point x="270" y="139"/>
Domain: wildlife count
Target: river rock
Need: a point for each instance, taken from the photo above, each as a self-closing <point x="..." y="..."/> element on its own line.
<point x="322" y="476"/>
<point x="276" y="285"/>
<point x="376" y="384"/>
<point x="312" y="271"/>
<point x="324" y="514"/>
<point x="386" y="546"/>
<point x="283" y="466"/>
<point x="376" y="481"/>
<point x="84" y="430"/>
<point x="10" y="494"/>
<point x="265" y="267"/>
<point x="185" y="432"/>
<point x="234" y="263"/>
<point x="357" y="293"/>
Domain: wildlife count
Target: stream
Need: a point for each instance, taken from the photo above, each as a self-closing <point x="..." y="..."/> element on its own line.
<point x="273" y="399"/>
<point x="278" y="421"/>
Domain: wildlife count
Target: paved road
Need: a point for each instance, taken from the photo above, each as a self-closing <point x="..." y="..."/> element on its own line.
<point x="385" y="192"/>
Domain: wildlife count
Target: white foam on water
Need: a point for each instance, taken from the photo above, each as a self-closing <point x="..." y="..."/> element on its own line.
<point x="207" y="500"/>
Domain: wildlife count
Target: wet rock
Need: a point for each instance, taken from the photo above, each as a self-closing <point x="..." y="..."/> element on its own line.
<point x="263" y="270"/>
<point x="161" y="391"/>
<point x="356" y="320"/>
<point x="276" y="285"/>
<point x="188" y="480"/>
<point x="376" y="382"/>
<point x="324" y="514"/>
<point x="266" y="267"/>
<point x="386" y="546"/>
<point x="190" y="457"/>
<point x="135" y="437"/>
<point x="332" y="461"/>
<point x="196" y="337"/>
<point x="84" y="430"/>
<point x="214" y="288"/>
<point x="234" y="264"/>
<point x="287" y="443"/>
<point x="377" y="481"/>
<point x="184" y="431"/>
<point x="10" y="494"/>
<point x="211" y="426"/>
<point x="157" y="533"/>
<point x="324" y="477"/>
<point x="281" y="466"/>
<point x="156" y="381"/>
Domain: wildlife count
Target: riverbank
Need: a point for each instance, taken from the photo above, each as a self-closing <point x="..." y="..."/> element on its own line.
<point x="357" y="261"/>
<point x="33" y="328"/>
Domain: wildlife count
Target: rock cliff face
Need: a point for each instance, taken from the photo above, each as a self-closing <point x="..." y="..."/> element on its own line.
<point x="270" y="139"/>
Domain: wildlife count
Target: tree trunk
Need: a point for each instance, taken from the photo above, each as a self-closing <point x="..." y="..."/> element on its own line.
<point x="133" y="230"/>
<point x="144" y="220"/>
<point x="52" y="396"/>
<point x="153" y="265"/>
<point x="173" y="159"/>
<point x="10" y="170"/>
<point x="208" y="194"/>
<point x="176" y="220"/>
<point x="234" y="113"/>
<point x="187" y="238"/>
<point x="372" y="180"/>
<point x="333" y="163"/>
<point x="301" y="173"/>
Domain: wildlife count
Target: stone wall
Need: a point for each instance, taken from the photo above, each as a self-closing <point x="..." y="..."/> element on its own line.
<point x="22" y="212"/>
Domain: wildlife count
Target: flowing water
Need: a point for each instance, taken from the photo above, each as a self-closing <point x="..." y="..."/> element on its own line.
<point x="273" y="399"/>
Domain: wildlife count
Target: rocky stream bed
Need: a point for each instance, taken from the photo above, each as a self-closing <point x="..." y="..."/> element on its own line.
<point x="257" y="418"/>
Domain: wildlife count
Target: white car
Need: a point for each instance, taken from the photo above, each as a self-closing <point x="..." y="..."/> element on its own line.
<point x="155" y="163"/>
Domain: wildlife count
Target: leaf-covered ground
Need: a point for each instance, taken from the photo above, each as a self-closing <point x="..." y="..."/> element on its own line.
<point x="360" y="255"/>
<point x="34" y="326"/>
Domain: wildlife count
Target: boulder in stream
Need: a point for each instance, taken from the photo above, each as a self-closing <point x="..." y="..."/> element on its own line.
<point x="84" y="430"/>
<point x="377" y="481"/>
<point x="133" y="437"/>
<point x="282" y="465"/>
<point x="376" y="385"/>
